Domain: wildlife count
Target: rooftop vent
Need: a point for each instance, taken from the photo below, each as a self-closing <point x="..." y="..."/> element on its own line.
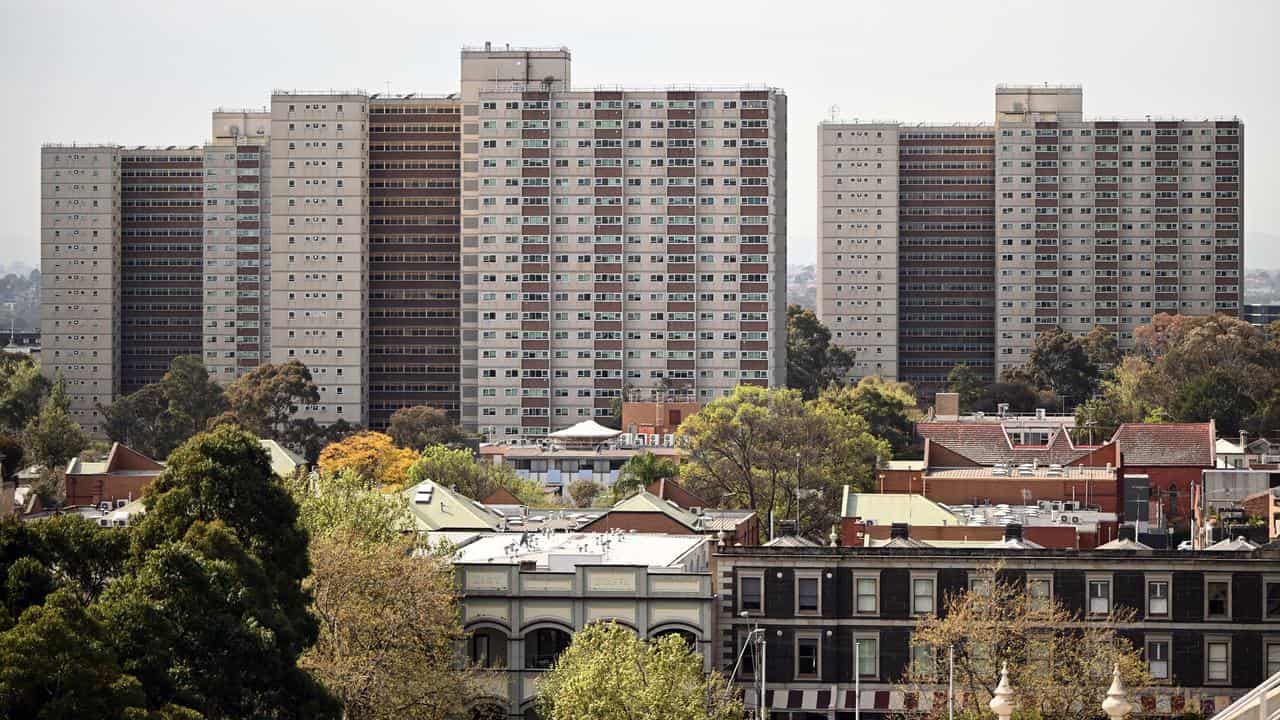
<point x="1013" y="531"/>
<point x="899" y="531"/>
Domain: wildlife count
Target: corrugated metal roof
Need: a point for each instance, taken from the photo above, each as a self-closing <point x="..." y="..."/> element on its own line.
<point x="889" y="508"/>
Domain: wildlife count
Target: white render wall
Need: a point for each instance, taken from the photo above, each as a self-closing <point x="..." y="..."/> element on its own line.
<point x="319" y="234"/>
<point x="80" y="274"/>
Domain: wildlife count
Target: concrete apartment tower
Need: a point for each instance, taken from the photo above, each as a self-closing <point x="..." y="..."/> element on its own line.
<point x="319" y="244"/>
<point x="614" y="242"/>
<point x="80" y="273"/>
<point x="1000" y="232"/>
<point x="236" y="313"/>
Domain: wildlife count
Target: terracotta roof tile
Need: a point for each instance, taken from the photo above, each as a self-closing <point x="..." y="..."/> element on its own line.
<point x="987" y="444"/>
<point x="1189" y="444"/>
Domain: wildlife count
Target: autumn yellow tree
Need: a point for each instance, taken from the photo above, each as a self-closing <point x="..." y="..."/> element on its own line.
<point x="372" y="455"/>
<point x="1059" y="663"/>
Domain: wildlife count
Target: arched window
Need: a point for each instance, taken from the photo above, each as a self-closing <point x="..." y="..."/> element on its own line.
<point x="689" y="638"/>
<point x="542" y="646"/>
<point x="487" y="648"/>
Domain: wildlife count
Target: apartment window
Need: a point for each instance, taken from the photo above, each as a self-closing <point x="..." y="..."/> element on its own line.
<point x="543" y="646"/>
<point x="1271" y="598"/>
<point x="1039" y="592"/>
<point x="808" y="656"/>
<point x="1099" y="596"/>
<point x="922" y="594"/>
<point x="924" y="662"/>
<point x="867" y="649"/>
<point x="979" y="585"/>
<point x="808" y="593"/>
<point x="866" y="589"/>
<point x="1158" y="597"/>
<point x="748" y="668"/>
<point x="751" y="593"/>
<point x="1217" y="661"/>
<point x="1273" y="658"/>
<point x="1158" y="657"/>
<point x="1217" y="598"/>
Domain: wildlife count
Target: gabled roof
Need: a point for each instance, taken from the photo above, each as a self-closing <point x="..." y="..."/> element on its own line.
<point x="284" y="462"/>
<point x="1187" y="444"/>
<point x="987" y="443"/>
<point x="889" y="508"/>
<point x="646" y="502"/>
<point x="1236" y="543"/>
<point x="586" y="430"/>
<point x="501" y="496"/>
<point x="435" y="507"/>
<point x="791" y="541"/>
<point x="1226" y="447"/>
<point x="1123" y="544"/>
<point x="121" y="460"/>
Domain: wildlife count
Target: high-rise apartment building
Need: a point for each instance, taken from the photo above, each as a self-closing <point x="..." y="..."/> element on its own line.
<point x="161" y="221"/>
<point x="948" y="244"/>
<point x="236" y="315"/>
<point x="80" y="273"/>
<point x="414" y="192"/>
<point x="522" y="254"/>
<point x="616" y="242"/>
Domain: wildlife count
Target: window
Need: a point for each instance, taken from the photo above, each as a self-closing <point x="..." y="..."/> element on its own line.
<point x="1039" y="592"/>
<point x="866" y="594"/>
<point x="866" y="649"/>
<point x="922" y="595"/>
<point x="808" y="593"/>
<point x="1157" y="597"/>
<point x="1273" y="658"/>
<point x="751" y="593"/>
<point x="924" y="662"/>
<point x="1099" y="597"/>
<point x="1217" y="661"/>
<point x="808" y="654"/>
<point x="1217" y="599"/>
<point x="979" y="584"/>
<point x="748" y="668"/>
<point x="1158" y="658"/>
<point x="543" y="646"/>
<point x="1271" y="599"/>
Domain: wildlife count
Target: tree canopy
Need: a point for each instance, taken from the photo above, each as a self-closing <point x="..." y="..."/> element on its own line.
<point x="640" y="471"/>
<point x="749" y="450"/>
<point x="158" y="417"/>
<point x="813" y="362"/>
<point x="53" y="437"/>
<point x="458" y="469"/>
<point x="22" y="387"/>
<point x="370" y="455"/>
<point x="417" y="427"/>
<point x="607" y="673"/>
<point x="266" y="398"/>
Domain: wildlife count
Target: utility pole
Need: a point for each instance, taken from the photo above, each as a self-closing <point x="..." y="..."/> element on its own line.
<point x="797" y="493"/>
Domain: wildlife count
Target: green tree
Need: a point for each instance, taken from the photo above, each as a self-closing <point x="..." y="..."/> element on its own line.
<point x="1102" y="347"/>
<point x="55" y="664"/>
<point x="414" y="428"/>
<point x="888" y="407"/>
<point x="640" y="471"/>
<point x="82" y="556"/>
<point x="1213" y="396"/>
<point x="390" y="631"/>
<point x="1124" y="397"/>
<point x="813" y="362"/>
<point x="347" y="504"/>
<point x="459" y="469"/>
<point x="201" y="624"/>
<point x="22" y="387"/>
<point x="584" y="492"/>
<point x="1060" y="362"/>
<point x="751" y="448"/>
<point x="158" y="417"/>
<point x="265" y="399"/>
<point x="967" y="383"/>
<point x="52" y="436"/>
<point x="607" y="673"/>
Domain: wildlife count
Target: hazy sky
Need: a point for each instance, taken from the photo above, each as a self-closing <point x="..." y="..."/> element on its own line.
<point x="150" y="72"/>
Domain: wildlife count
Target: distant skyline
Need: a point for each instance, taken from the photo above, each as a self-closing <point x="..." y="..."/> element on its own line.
<point x="149" y="73"/>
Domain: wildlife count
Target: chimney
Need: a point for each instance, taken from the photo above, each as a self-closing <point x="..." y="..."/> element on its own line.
<point x="1013" y="532"/>
<point x="899" y="531"/>
<point x="1128" y="532"/>
<point x="488" y="46"/>
<point x="947" y="404"/>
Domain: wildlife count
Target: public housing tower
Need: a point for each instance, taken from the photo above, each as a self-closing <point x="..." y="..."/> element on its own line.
<point x="947" y="244"/>
<point x="521" y="254"/>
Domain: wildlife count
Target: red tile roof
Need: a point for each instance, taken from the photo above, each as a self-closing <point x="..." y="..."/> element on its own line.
<point x="1186" y="444"/>
<point x="987" y="443"/>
